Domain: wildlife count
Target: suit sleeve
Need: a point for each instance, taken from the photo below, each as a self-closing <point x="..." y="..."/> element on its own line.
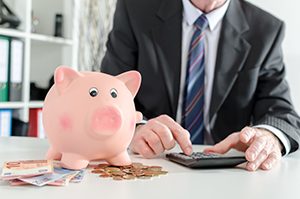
<point x="121" y="54"/>
<point x="273" y="102"/>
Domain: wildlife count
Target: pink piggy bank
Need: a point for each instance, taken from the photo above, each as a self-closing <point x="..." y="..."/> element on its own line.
<point x="90" y="115"/>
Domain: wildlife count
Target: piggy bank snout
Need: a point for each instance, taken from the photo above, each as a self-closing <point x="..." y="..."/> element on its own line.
<point x="106" y="120"/>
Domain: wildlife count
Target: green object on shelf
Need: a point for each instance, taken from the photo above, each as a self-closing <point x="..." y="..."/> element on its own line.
<point x="3" y="92"/>
<point x="4" y="68"/>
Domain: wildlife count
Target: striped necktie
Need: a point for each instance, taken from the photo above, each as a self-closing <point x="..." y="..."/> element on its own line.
<point x="193" y="102"/>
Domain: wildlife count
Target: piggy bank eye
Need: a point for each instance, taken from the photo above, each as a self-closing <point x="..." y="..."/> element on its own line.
<point x="114" y="93"/>
<point x="93" y="92"/>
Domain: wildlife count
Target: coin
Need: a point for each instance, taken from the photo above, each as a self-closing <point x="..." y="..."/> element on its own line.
<point x="117" y="178"/>
<point x="128" y="177"/>
<point x="155" y="168"/>
<point x="129" y="172"/>
<point x="98" y="171"/>
<point x="102" y="166"/>
<point x="112" y="169"/>
<point x="105" y="175"/>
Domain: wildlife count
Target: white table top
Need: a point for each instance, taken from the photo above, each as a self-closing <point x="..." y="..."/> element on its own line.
<point x="281" y="182"/>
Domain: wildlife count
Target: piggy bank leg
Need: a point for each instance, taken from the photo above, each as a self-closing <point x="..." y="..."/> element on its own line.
<point x="53" y="155"/>
<point x="120" y="160"/>
<point x="73" y="161"/>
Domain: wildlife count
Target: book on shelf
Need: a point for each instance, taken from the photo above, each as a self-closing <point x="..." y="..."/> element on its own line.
<point x="4" y="67"/>
<point x="5" y="122"/>
<point x="11" y="68"/>
<point x="16" y="69"/>
<point x="36" y="128"/>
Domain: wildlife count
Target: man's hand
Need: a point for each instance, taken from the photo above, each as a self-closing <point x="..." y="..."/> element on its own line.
<point x="262" y="148"/>
<point x="160" y="134"/>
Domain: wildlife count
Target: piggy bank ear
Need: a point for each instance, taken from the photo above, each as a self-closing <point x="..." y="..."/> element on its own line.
<point x="63" y="77"/>
<point x="132" y="79"/>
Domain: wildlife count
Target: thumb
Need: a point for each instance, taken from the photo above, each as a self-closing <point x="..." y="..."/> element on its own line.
<point x="225" y="145"/>
<point x="139" y="116"/>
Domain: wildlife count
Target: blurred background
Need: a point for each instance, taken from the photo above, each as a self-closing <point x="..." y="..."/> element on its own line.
<point x="288" y="12"/>
<point x="36" y="36"/>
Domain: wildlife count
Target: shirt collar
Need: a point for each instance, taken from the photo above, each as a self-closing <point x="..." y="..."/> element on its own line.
<point x="191" y="14"/>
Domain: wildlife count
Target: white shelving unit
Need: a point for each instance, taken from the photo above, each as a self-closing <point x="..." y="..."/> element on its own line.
<point x="42" y="51"/>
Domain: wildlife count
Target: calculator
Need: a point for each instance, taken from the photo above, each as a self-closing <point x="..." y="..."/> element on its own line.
<point x="206" y="160"/>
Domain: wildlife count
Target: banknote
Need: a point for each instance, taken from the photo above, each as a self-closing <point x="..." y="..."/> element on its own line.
<point x="64" y="180"/>
<point x="59" y="182"/>
<point x="26" y="168"/>
<point x="42" y="180"/>
<point x="78" y="177"/>
<point x="17" y="182"/>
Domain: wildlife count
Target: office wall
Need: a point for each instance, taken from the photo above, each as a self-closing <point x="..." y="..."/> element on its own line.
<point x="288" y="11"/>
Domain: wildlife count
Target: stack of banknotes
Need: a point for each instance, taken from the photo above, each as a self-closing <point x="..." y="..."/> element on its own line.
<point x="39" y="173"/>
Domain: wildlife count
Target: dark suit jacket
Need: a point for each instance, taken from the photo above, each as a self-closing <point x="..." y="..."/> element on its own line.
<point x="249" y="86"/>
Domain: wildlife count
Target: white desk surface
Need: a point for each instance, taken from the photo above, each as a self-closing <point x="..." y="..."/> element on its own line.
<point x="281" y="182"/>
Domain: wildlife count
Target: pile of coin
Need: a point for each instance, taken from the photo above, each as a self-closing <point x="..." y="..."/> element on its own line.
<point x="130" y="172"/>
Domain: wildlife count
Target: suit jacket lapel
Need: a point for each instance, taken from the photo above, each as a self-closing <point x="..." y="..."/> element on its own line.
<point x="167" y="40"/>
<point x="232" y="52"/>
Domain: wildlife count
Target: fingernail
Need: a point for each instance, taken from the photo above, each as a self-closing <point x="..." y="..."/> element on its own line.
<point x="207" y="150"/>
<point x="252" y="156"/>
<point x="267" y="166"/>
<point x="188" y="150"/>
<point x="252" y="166"/>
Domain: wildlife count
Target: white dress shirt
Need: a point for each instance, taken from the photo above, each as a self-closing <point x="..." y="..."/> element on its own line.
<point x="212" y="34"/>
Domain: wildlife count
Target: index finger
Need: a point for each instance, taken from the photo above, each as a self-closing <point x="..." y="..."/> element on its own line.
<point x="181" y="135"/>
